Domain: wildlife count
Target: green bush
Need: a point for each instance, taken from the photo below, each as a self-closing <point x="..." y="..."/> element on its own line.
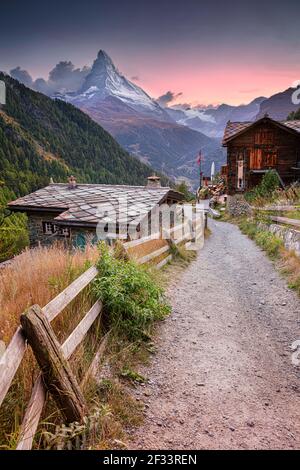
<point x="269" y="183"/>
<point x="131" y="297"/>
<point x="183" y="188"/>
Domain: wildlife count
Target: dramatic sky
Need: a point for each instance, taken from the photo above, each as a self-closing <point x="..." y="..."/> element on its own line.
<point x="206" y="51"/>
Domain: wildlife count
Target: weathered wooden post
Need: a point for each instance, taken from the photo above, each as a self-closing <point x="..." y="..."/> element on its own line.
<point x="57" y="374"/>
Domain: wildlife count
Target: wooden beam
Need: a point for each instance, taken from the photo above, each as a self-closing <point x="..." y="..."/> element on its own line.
<point x="140" y="241"/>
<point x="81" y="330"/>
<point x="153" y="255"/>
<point x="55" y="306"/>
<point x="15" y="351"/>
<point x="32" y="415"/>
<point x="57" y="373"/>
<point x="164" y="261"/>
<point x="38" y="394"/>
<point x="286" y="221"/>
<point x="10" y="361"/>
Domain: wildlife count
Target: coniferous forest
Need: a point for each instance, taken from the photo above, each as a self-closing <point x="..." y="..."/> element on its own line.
<point x="41" y="138"/>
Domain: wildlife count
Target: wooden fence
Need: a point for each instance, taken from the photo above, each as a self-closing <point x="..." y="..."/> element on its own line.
<point x="15" y="351"/>
<point x="142" y="250"/>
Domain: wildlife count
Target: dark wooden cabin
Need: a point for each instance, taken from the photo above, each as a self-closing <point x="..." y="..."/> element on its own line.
<point x="255" y="147"/>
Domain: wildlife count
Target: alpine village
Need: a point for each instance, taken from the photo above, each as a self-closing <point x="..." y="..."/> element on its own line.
<point x="149" y="265"/>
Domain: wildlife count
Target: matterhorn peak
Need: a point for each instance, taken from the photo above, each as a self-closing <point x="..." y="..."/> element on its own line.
<point x="105" y="81"/>
<point x="102" y="71"/>
<point x="103" y="56"/>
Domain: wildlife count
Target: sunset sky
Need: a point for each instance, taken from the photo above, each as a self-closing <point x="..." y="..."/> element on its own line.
<point x="211" y="52"/>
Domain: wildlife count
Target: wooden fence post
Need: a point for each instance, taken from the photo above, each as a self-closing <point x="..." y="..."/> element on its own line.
<point x="57" y="374"/>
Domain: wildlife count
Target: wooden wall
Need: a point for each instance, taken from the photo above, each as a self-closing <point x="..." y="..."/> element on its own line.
<point x="263" y="146"/>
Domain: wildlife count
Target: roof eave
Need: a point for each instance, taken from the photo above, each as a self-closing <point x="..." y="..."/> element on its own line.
<point x="277" y="123"/>
<point x="23" y="208"/>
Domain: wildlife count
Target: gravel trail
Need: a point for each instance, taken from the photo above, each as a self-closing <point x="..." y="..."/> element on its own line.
<point x="222" y="376"/>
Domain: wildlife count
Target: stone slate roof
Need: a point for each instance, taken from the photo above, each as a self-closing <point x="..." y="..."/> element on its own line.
<point x="234" y="128"/>
<point x="87" y="204"/>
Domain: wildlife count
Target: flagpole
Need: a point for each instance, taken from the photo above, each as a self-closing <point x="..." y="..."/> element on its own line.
<point x="200" y="167"/>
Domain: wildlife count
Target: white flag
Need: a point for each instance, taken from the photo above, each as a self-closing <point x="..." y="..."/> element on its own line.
<point x="212" y="171"/>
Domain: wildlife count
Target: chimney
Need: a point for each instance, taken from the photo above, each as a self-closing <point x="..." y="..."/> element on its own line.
<point x="153" y="182"/>
<point x="72" y="182"/>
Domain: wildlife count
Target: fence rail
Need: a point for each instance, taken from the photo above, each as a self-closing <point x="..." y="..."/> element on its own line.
<point x="14" y="353"/>
<point x="286" y="221"/>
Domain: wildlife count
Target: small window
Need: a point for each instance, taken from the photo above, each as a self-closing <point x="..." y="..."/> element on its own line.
<point x="64" y="232"/>
<point x="49" y="228"/>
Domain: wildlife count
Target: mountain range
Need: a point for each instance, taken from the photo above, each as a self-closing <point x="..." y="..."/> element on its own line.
<point x="42" y="138"/>
<point x="212" y="121"/>
<point x="165" y="137"/>
<point x="140" y="124"/>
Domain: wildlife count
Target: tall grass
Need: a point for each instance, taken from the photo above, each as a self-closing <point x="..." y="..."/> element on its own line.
<point x="290" y="267"/>
<point x="268" y="193"/>
<point x="37" y="276"/>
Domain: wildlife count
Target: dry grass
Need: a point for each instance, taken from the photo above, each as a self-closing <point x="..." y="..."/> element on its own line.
<point x="290" y="266"/>
<point x="146" y="248"/>
<point x="37" y="276"/>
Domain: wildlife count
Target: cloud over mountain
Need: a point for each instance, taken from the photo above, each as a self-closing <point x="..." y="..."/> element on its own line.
<point x="22" y="76"/>
<point x="167" y="98"/>
<point x="64" y="77"/>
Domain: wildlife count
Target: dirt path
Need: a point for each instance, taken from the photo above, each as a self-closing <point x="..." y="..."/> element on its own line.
<point x="222" y="377"/>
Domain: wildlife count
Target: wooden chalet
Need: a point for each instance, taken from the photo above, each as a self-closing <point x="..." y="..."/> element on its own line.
<point x="253" y="148"/>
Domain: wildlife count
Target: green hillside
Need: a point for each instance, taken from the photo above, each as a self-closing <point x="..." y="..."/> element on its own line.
<point x="42" y="138"/>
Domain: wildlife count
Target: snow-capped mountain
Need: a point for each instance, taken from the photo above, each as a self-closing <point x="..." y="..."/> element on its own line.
<point x="104" y="80"/>
<point x="212" y="121"/>
<point x="140" y="124"/>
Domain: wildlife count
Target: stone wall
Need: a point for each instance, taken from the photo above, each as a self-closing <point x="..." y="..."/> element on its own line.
<point x="78" y="236"/>
<point x="290" y="237"/>
<point x="237" y="206"/>
<point x="36" y="234"/>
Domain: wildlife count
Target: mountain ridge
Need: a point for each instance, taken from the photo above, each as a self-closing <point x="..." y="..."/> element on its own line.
<point x="279" y="105"/>
<point x="140" y="124"/>
<point x="42" y="138"/>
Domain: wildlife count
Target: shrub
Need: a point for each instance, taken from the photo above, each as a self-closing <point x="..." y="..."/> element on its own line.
<point x="183" y="188"/>
<point x="269" y="183"/>
<point x="131" y="297"/>
<point x="248" y="227"/>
